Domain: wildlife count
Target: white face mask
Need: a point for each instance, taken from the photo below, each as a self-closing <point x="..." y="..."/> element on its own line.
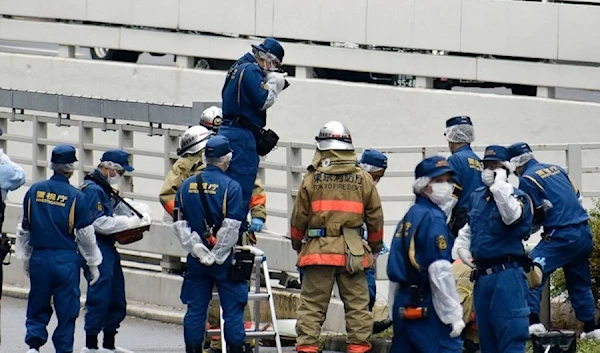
<point x="115" y="180"/>
<point x="441" y="193"/>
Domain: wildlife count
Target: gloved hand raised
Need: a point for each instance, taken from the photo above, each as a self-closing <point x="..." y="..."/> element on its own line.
<point x="256" y="225"/>
<point x="457" y="328"/>
<point x="94" y="274"/>
<point x="276" y="81"/>
<point x="146" y="218"/>
<point x="501" y="176"/>
<point x="3" y="157"/>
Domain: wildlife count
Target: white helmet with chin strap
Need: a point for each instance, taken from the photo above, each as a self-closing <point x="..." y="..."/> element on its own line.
<point x="193" y="140"/>
<point x="211" y="118"/>
<point x="334" y="136"/>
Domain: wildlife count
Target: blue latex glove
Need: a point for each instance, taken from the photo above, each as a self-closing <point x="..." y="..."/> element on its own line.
<point x="256" y="224"/>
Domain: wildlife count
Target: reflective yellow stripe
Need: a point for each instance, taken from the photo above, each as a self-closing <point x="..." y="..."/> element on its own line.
<point x="28" y="210"/>
<point x="535" y="182"/>
<point x="72" y="217"/>
<point x="225" y="203"/>
<point x="573" y="184"/>
<point x="411" y="254"/>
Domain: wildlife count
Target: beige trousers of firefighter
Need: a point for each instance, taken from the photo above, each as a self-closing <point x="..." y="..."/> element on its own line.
<point x="317" y="285"/>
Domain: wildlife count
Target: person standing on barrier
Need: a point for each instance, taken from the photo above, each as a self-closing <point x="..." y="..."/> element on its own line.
<point x="566" y="239"/>
<point x="424" y="303"/>
<point x="335" y="199"/>
<point x="209" y="214"/>
<point x="374" y="163"/>
<point x="12" y="177"/>
<point x="57" y="224"/>
<point x="466" y="166"/>
<point x="251" y="87"/>
<point x="500" y="218"/>
<point x="106" y="304"/>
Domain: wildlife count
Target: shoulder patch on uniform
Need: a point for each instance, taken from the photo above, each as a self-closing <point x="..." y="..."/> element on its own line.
<point x="99" y="206"/>
<point x="441" y="242"/>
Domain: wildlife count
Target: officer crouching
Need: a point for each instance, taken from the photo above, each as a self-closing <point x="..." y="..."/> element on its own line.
<point x="426" y="311"/>
<point x="210" y="213"/>
<point x="500" y="217"/>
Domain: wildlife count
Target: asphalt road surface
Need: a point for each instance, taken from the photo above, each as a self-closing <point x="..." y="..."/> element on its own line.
<point x="137" y="335"/>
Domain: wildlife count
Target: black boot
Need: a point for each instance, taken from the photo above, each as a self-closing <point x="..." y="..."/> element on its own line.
<point x="380" y="326"/>
<point x="91" y="341"/>
<point x="109" y="340"/>
<point x="238" y="348"/>
<point x="193" y="348"/>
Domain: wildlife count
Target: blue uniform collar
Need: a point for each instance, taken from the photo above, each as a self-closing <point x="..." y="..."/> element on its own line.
<point x="249" y="58"/>
<point x="99" y="174"/>
<point x="422" y="200"/>
<point x="466" y="147"/>
<point x="529" y="165"/>
<point x="60" y="177"/>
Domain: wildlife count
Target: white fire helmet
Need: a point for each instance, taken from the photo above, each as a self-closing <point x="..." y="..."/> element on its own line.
<point x="212" y="118"/>
<point x="334" y="136"/>
<point x="193" y="140"/>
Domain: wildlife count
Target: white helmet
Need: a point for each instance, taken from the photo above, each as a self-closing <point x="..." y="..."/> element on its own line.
<point x="334" y="136"/>
<point x="211" y="118"/>
<point x="193" y="140"/>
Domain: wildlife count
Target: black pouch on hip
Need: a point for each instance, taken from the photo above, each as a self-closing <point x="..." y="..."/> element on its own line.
<point x="266" y="142"/>
<point x="241" y="266"/>
<point x="5" y="245"/>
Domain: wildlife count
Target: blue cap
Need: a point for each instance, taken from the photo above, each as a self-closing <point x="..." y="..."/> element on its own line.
<point x="217" y="146"/>
<point x="517" y="149"/>
<point x="117" y="156"/>
<point x="433" y="167"/>
<point x="374" y="158"/>
<point x="63" y="154"/>
<point x="458" y="120"/>
<point x="496" y="153"/>
<point x="271" y="45"/>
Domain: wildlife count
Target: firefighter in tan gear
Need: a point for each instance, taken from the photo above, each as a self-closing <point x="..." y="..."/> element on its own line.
<point x="335" y="198"/>
<point x="191" y="147"/>
<point x="464" y="287"/>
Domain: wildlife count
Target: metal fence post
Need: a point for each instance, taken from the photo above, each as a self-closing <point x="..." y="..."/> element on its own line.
<point x="170" y="264"/>
<point x="38" y="151"/>
<point x="293" y="159"/>
<point x="4" y="127"/>
<point x="574" y="163"/>
<point x="86" y="157"/>
<point x="125" y="142"/>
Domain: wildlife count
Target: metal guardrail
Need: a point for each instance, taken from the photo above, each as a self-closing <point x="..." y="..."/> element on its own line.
<point x="158" y="243"/>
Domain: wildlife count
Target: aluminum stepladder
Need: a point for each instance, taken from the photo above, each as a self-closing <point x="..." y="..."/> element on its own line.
<point x="260" y="266"/>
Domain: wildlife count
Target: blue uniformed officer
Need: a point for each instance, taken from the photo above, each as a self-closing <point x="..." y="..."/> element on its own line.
<point x="374" y="163"/>
<point x="500" y="217"/>
<point x="251" y="87"/>
<point x="467" y="169"/>
<point x="56" y="224"/>
<point x="106" y="304"/>
<point x="209" y="261"/>
<point x="426" y="310"/>
<point x="567" y="238"/>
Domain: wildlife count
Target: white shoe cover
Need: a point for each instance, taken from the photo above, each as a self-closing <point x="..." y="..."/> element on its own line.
<point x="592" y="335"/>
<point x="89" y="350"/>
<point x="32" y="350"/>
<point x="537" y="328"/>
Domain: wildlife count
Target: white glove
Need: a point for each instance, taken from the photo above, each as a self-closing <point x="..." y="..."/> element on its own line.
<point x="465" y="256"/>
<point x="26" y="267"/>
<point x="510" y="166"/>
<point x="547" y="205"/>
<point x="276" y="81"/>
<point x="95" y="274"/>
<point x="501" y="176"/>
<point x="487" y="176"/>
<point x="146" y="218"/>
<point x="457" y="328"/>
<point x="133" y="222"/>
<point x="204" y="255"/>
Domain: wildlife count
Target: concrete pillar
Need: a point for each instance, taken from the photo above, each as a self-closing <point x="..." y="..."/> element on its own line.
<point x="66" y="51"/>
<point x="546" y="92"/>
<point x="423" y="82"/>
<point x="304" y="72"/>
<point x="184" y="62"/>
<point x="38" y="152"/>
